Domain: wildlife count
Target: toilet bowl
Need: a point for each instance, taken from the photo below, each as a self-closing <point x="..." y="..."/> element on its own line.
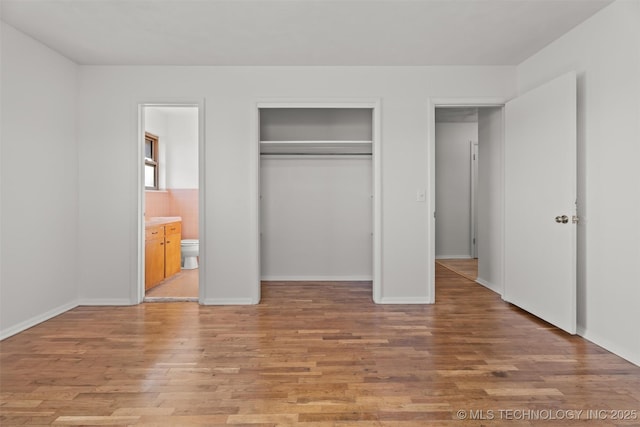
<point x="189" y="251"/>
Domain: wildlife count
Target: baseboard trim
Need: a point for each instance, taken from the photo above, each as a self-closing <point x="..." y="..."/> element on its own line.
<point x="607" y="345"/>
<point x="316" y="278"/>
<point x="35" y="320"/>
<point x="454" y="257"/>
<point x="105" y="301"/>
<point x="487" y="285"/>
<point x="229" y="301"/>
<point x="404" y="300"/>
<point x="170" y="299"/>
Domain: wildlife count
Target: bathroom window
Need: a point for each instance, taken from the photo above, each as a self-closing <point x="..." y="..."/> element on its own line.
<point x="150" y="161"/>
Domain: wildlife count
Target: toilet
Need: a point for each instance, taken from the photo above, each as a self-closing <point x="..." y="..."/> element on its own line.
<point x="189" y="250"/>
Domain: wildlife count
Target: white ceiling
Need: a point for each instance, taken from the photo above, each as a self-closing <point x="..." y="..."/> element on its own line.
<point x="297" y="32"/>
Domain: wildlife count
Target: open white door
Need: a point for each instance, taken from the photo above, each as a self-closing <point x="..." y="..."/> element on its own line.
<point x="540" y="202"/>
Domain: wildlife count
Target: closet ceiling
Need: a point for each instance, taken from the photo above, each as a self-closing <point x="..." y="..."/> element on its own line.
<point x="297" y="32"/>
<point x="456" y="115"/>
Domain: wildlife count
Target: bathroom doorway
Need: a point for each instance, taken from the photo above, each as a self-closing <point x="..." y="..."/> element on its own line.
<point x="171" y="186"/>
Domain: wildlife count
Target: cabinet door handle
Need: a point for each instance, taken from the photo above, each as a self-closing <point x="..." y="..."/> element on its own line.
<point x="161" y="243"/>
<point x="168" y="241"/>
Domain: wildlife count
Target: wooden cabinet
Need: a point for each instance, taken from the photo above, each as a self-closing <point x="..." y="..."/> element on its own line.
<point x="172" y="240"/>
<point x="162" y="253"/>
<point x="154" y="257"/>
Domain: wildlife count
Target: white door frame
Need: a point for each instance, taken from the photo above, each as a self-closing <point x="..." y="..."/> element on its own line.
<point x="376" y="159"/>
<point x="138" y="291"/>
<point x="473" y="160"/>
<point x="432" y="104"/>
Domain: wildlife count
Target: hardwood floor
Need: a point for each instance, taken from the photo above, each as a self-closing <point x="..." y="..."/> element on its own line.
<point x="467" y="267"/>
<point x="313" y="355"/>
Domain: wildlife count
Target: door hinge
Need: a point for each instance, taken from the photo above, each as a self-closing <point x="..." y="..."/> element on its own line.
<point x="575" y="219"/>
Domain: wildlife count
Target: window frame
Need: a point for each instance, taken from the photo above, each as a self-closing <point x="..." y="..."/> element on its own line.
<point x="153" y="160"/>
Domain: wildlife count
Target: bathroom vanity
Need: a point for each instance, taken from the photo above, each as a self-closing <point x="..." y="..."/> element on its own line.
<point x="162" y="249"/>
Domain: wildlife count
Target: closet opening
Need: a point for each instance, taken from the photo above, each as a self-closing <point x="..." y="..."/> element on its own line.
<point x="317" y="186"/>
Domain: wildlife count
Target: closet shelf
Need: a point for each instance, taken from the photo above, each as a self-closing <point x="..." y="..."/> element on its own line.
<point x="315" y="142"/>
<point x="315" y="147"/>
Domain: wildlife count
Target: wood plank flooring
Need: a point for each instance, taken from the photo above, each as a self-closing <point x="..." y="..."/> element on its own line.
<point x="467" y="267"/>
<point x="313" y="355"/>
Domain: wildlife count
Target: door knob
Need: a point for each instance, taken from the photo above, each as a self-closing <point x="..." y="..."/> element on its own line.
<point x="562" y="219"/>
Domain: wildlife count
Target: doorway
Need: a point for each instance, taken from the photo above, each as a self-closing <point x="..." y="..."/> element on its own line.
<point x="171" y="202"/>
<point x="467" y="191"/>
<point x="456" y="139"/>
<point x="535" y="128"/>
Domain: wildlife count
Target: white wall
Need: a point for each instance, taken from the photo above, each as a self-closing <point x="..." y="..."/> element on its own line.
<point x="38" y="86"/>
<point x="490" y="203"/>
<point x="39" y="179"/>
<point x="177" y="129"/>
<point x="108" y="97"/>
<point x="316" y="214"/>
<point x="605" y="53"/>
<point x="182" y="148"/>
<point x="453" y="189"/>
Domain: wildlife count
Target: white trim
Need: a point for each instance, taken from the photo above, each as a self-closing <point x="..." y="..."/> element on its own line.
<point x="202" y="205"/>
<point x="503" y="206"/>
<point x="230" y="301"/>
<point x="466" y="256"/>
<point x="137" y="271"/>
<point x="317" y="103"/>
<point x="404" y="300"/>
<point x="317" y="278"/>
<point x="431" y="202"/>
<point x="609" y="346"/>
<point x="106" y="302"/>
<point x="375" y="105"/>
<point x="137" y="290"/>
<point x="432" y="103"/>
<point x="257" y="205"/>
<point x="317" y="142"/>
<point x="309" y="147"/>
<point x="36" y="320"/>
<point x="377" y="201"/>
<point x="473" y="159"/>
<point x="314" y="156"/>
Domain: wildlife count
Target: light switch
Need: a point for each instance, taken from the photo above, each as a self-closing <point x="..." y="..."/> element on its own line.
<point x="421" y="195"/>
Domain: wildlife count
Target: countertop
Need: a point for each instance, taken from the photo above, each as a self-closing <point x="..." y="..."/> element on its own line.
<point x="161" y="220"/>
